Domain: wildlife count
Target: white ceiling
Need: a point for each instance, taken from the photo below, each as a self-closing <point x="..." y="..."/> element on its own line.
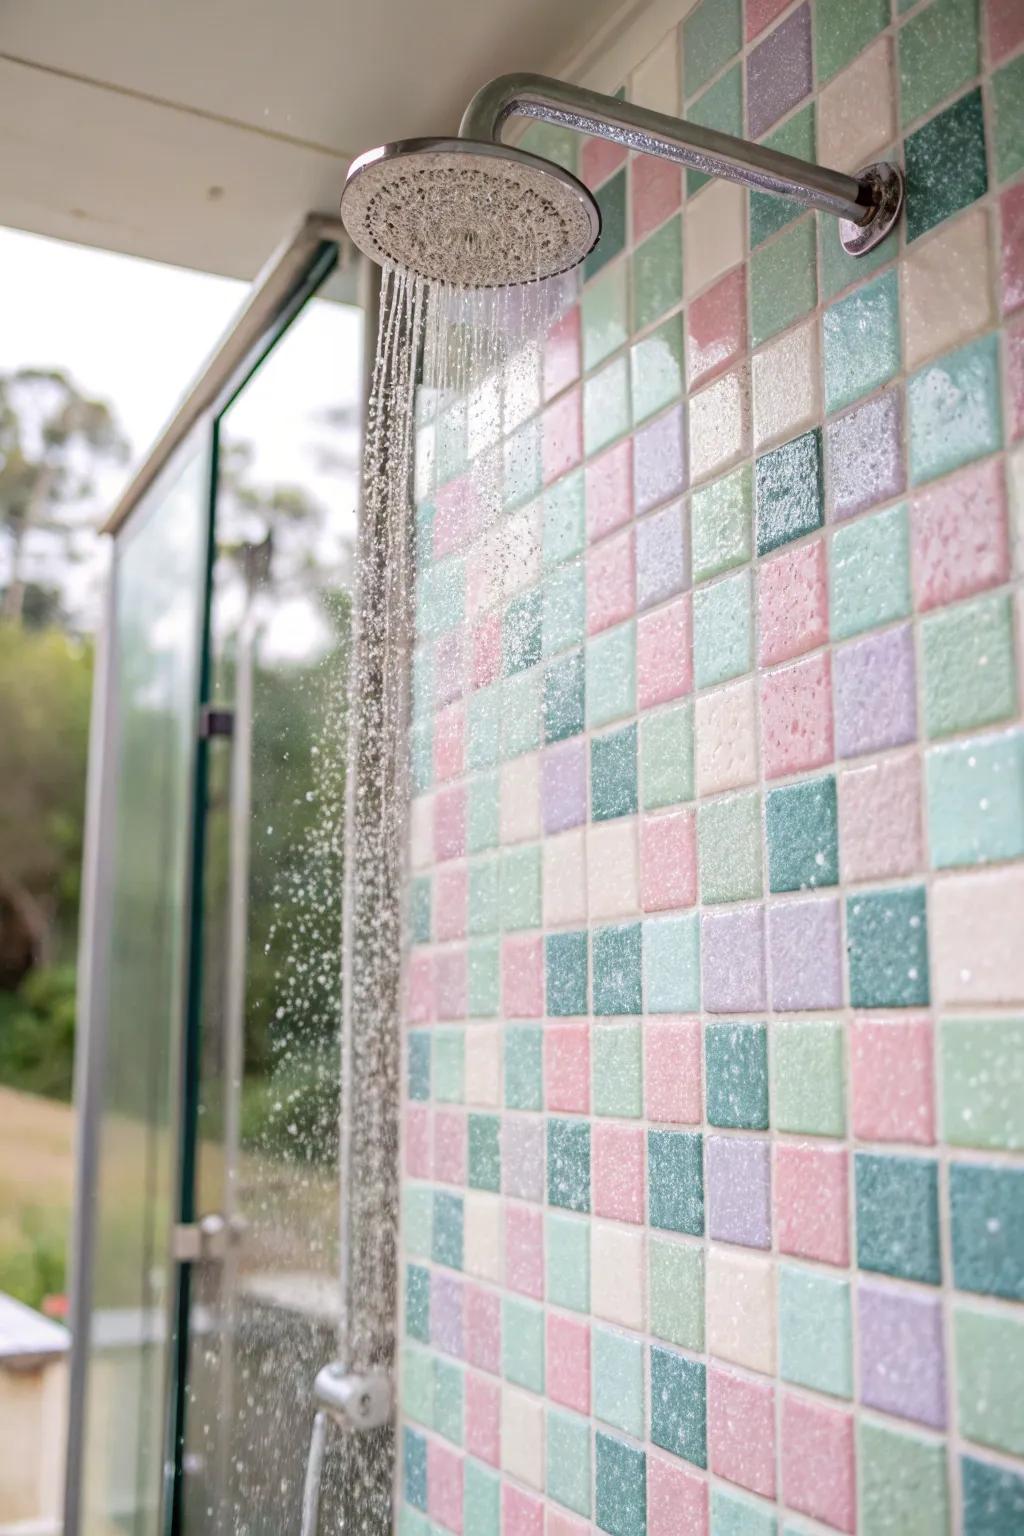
<point x="201" y="131"/>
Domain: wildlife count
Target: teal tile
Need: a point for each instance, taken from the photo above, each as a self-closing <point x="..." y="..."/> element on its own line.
<point x="520" y="714"/>
<point x="568" y="1164"/>
<point x="976" y="800"/>
<point x="671" y="950"/>
<point x="861" y="338"/>
<point x="769" y="213"/>
<point x="620" y="1487"/>
<point x="417" y="1302"/>
<point x="419" y="1065"/>
<point x="970" y="674"/>
<point x="617" y="1071"/>
<point x="666" y="757"/>
<point x="722" y="518"/>
<point x="676" y="1285"/>
<point x="945" y="164"/>
<point x="982" y="1081"/>
<point x="418" y="1221"/>
<point x="618" y="1376"/>
<point x="565" y="963"/>
<point x="954" y="409"/>
<point x="483" y="979"/>
<point x="564" y="532"/>
<point x="563" y="608"/>
<point x="521" y="632"/>
<point x="790" y="497"/>
<point x="449" y="1387"/>
<point x="802" y="832"/>
<point x="675" y="1181"/>
<point x="658" y="274"/>
<point x="1008" y="100"/>
<point x="484" y="896"/>
<point x="520" y="888"/>
<point x="887" y="941"/>
<point x="939" y="53"/>
<point x="993" y="1500"/>
<point x="611" y="199"/>
<point x="989" y="1351"/>
<point x="656" y="364"/>
<point x="869" y="573"/>
<point x="723" y="630"/>
<point x="564" y="697"/>
<point x="611" y="675"/>
<point x="414" y="1468"/>
<point x="736" y="1076"/>
<point x="986" y="1206"/>
<point x="522" y="1343"/>
<point x="449" y="1065"/>
<point x="523" y="1070"/>
<point x="712" y="33"/>
<point x="815" y="1331"/>
<point x="606" y="406"/>
<point x="732" y="1516"/>
<point x="418" y="1385"/>
<point x="613" y="774"/>
<point x="482" y="813"/>
<point x="843" y="30"/>
<point x="901" y="1482"/>
<point x="447" y="1243"/>
<point x="567" y="1247"/>
<point x="898" y="1216"/>
<point x="679" y="1405"/>
<point x="783" y="281"/>
<point x="485" y="1152"/>
<point x="838" y="270"/>
<point x="808" y="1077"/>
<point x="719" y="107"/>
<point x="729" y="848"/>
<point x="419" y="910"/>
<point x="481" y="1500"/>
<point x="604" y="315"/>
<point x="568" y="1470"/>
<point x="616" y="957"/>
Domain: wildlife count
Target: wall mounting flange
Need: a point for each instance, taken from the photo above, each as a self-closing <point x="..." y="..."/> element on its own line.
<point x="887" y="179"/>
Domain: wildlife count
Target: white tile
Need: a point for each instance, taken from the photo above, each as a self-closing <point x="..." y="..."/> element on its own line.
<point x="617" y="1274"/>
<point x="726" y="738"/>
<point x="947" y="286"/>
<point x="976" y="927"/>
<point x="565" y="878"/>
<point x="517" y="550"/>
<point x="421" y="832"/>
<point x="481" y="1235"/>
<point x="655" y="82"/>
<point x="520" y="799"/>
<point x="522" y="1436"/>
<point x="483" y="1065"/>
<point x="715" y="233"/>
<point x="857" y="111"/>
<point x="613" y="888"/>
<point x="720" y="424"/>
<point x="787" y="386"/>
<point x="740" y="1292"/>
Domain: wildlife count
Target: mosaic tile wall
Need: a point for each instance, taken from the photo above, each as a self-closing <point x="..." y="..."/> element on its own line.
<point x="713" y="1210"/>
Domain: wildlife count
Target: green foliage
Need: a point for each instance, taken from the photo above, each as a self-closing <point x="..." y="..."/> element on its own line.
<point x="34" y="1266"/>
<point x="37" y="1033"/>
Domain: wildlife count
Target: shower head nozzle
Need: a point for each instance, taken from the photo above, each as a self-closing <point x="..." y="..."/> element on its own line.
<point x="477" y="214"/>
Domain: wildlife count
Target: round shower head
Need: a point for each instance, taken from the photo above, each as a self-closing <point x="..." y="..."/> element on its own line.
<point x="480" y="215"/>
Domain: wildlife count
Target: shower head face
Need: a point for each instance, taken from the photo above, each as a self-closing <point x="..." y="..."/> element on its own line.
<point x="479" y="215"/>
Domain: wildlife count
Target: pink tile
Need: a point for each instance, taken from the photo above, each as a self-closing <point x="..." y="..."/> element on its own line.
<point x="792" y="603"/>
<point x="487" y="651"/>
<point x="567" y="1068"/>
<point x="449" y="1146"/>
<point x="893" y="1080"/>
<point x="483" y="1419"/>
<point x="562" y="435"/>
<point x="450" y="902"/>
<point x="418" y="1160"/>
<point x="482" y="1329"/>
<point x="796" y="717"/>
<point x="1015" y="379"/>
<point x="449" y="743"/>
<point x="812" y="1202"/>
<point x="562" y="353"/>
<point x="657" y="192"/>
<point x="521" y="1514"/>
<point x="818" y="1469"/>
<point x="668" y="861"/>
<point x="419" y="989"/>
<point x="609" y="490"/>
<point x="450" y="824"/>
<point x="568" y="1362"/>
<point x="716" y="327"/>
<point x="741" y="1431"/>
<point x="1005" y="27"/>
<point x="618" y="1159"/>
<point x="450" y="989"/>
<point x="880" y="814"/>
<point x="444" y="1485"/>
<point x="664" y="654"/>
<point x="760" y="13"/>
<point x="456" y="516"/>
<point x="958" y="535"/>
<point x="524" y="1251"/>
<point x="672" y="1070"/>
<point x="449" y="668"/>
<point x="522" y="978"/>
<point x="598" y="159"/>
<point x="677" y="1501"/>
<point x="611" y="582"/>
<point x="1011" y="206"/>
<point x="559" y="1524"/>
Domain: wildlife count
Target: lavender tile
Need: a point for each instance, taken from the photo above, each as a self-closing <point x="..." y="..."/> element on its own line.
<point x="875" y="692"/>
<point x="864" y="455"/>
<point x="779" y="72"/>
<point x="732" y="960"/>
<point x="522" y="1159"/>
<point x="805" y="955"/>
<point x="659" y="461"/>
<point x="739" y="1190"/>
<point x="660" y="556"/>
<point x="448" y="665"/>
<point x="902" y="1362"/>
<point x="563" y="785"/>
<point x="446" y="1314"/>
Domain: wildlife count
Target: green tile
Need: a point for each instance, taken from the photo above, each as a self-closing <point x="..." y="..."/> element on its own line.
<point x="606" y="407"/>
<point x="901" y="1482"/>
<point x="418" y="1385"/>
<point x="611" y="675"/>
<point x="565" y="963"/>
<point x="769" y="213"/>
<point x="1008" y="99"/>
<point x="522" y="1343"/>
<point x="676" y="1279"/>
<point x="520" y="633"/>
<point x="618" y="1376"/>
<point x="448" y="1393"/>
<point x="869" y="573"/>
<point x="611" y="199"/>
<point x="808" y="1079"/>
<point x="898" y="1216"/>
<point x="945" y="164"/>
<point x="712" y="33"/>
<point x="671" y="947"/>
<point x="938" y="54"/>
<point x="657" y="368"/>
<point x="732" y="1516"/>
<point x="982" y="1081"/>
<point x="569" y="1164"/>
<point x="839" y="270"/>
<point x="675" y="1181"/>
<point x="484" y="896"/>
<point x="719" y="107"/>
<point x="617" y="1071"/>
<point x="418" y="1221"/>
<point x="613" y="775"/>
<point x="604" y="313"/>
<point x="451" y="442"/>
<point x="450" y="1065"/>
<point x="815" y="1331"/>
<point x="975" y="791"/>
<point x="723" y="630"/>
<point x="523" y="469"/>
<point x="550" y="142"/>
<point x="783" y="281"/>
<point x="419" y="910"/>
<point x="989" y="1349"/>
<point x="485" y="1152"/>
<point x="887" y="941"/>
<point x="993" y="1500"/>
<point x="481" y="1500"/>
<point x="970" y="675"/>
<point x="567" y="1245"/>
<point x="412" y="1523"/>
<point x="802" y="832"/>
<point x="729" y="848"/>
<point x="722" y="514"/>
<point x="666" y="757"/>
<point x="790" y="497"/>
<point x="419" y="1065"/>
<point x="421" y="753"/>
<point x="567" y="1451"/>
<point x="679" y="1405"/>
<point x="483" y="979"/>
<point x="520" y="714"/>
<point x="417" y="1303"/>
<point x="564" y="532"/>
<point x="736" y="1076"/>
<point x="521" y="888"/>
<point x="447" y="1243"/>
<point x="620" y="1487"/>
<point x="482" y="814"/>
<point x="843" y="30"/>
<point x="861" y="341"/>
<point x="563" y="608"/>
<point x="954" y="410"/>
<point x="987" y="1217"/>
<point x="658" y="274"/>
<point x="523" y="1070"/>
<point x="616" y="956"/>
<point x="564" y="697"/>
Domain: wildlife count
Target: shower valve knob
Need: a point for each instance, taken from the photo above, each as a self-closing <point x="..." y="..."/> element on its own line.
<point x="354" y="1400"/>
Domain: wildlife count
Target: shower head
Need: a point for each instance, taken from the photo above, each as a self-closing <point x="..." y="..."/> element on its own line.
<point x="477" y="214"/>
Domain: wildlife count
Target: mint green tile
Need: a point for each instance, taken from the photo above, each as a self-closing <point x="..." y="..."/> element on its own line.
<point x="520" y="888"/>
<point x="448" y="1395"/>
<point x="419" y="1064"/>
<point x="869" y="573"/>
<point x="954" y="409"/>
<point x="982" y="1081"/>
<point x="481" y="1500"/>
<point x="975" y="794"/>
<point x="657" y="369"/>
<point x="808" y="1077"/>
<point x="721" y="516"/>
<point x="989" y="1349"/>
<point x="837" y="269"/>
<point x="815" y="1331"/>
<point x="485" y="1152"/>
<point x="484" y="895"/>
<point x="783" y="281"/>
<point x="611" y="200"/>
<point x="768" y="213"/>
<point x="564" y="532"/>
<point x="550" y="142"/>
<point x="723" y="630"/>
<point x="729" y="848"/>
<point x="946" y="164"/>
<point x="421" y="754"/>
<point x="419" y="910"/>
<point x="520" y="632"/>
<point x="719" y="107"/>
<point x="564" y="697"/>
<point x="417" y="1302"/>
<point x="450" y="1065"/>
<point x="564" y="605"/>
<point x="606" y="407"/>
<point x="524" y="1085"/>
<point x="658" y="274"/>
<point x="483" y="813"/>
<point x="484" y="979"/>
<point x="522" y="1343"/>
<point x="617" y="1070"/>
<point x="671" y="949"/>
<point x="712" y="33"/>
<point x="666" y="757"/>
<point x="567" y="1245"/>
<point x="424" y="534"/>
<point x="423" y="680"/>
<point x="451" y="442"/>
<point x="733" y="1516"/>
<point x="523" y="470"/>
<point x="568" y="1461"/>
<point x="901" y="1483"/>
<point x="604" y="313"/>
<point x="483" y="727"/>
<point x="970" y="675"/>
<point x="418" y="1221"/>
<point x="938" y="52"/>
<point x="802" y="834"/>
<point x="412" y="1523"/>
<point x="736" y="1076"/>
<point x="613" y="774"/>
<point x="676" y="1280"/>
<point x="418" y="1385"/>
<point x="1008" y="100"/>
<point x="844" y="30"/>
<point x="520" y="713"/>
<point x="611" y="675"/>
<point x="618" y="1376"/>
<point x="861" y="341"/>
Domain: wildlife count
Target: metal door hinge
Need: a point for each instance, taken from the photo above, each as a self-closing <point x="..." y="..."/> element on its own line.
<point x="215" y="722"/>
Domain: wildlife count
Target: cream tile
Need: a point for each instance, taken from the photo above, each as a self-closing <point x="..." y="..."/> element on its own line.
<point x="1015" y="486"/>
<point x="947" y="288"/>
<point x="617" y="1275"/>
<point x="787" y="386"/>
<point x="857" y="111"/>
<point x="655" y="82"/>
<point x="481" y="1235"/>
<point x="740" y="1292"/>
<point x="421" y="832"/>
<point x="715" y="233"/>
<point x="483" y="1065"/>
<point x="517" y="550"/>
<point x="565" y="878"/>
<point x="522" y="1436"/>
<point x="520" y="799"/>
<point x="726" y="732"/>
<point x="720" y="424"/>
<point x="613" y="888"/>
<point x="975" y="938"/>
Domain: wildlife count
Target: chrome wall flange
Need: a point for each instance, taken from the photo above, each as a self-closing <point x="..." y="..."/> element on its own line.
<point x="888" y="181"/>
